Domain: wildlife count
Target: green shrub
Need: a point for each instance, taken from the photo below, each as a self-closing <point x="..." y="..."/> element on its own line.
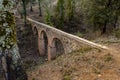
<point x="108" y="58"/>
<point x="67" y="77"/>
<point x="117" y="33"/>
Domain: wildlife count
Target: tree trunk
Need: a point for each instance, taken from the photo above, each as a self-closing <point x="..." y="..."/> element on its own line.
<point x="31" y="9"/>
<point x="40" y="11"/>
<point x="104" y="28"/>
<point x="24" y="12"/>
<point x="11" y="60"/>
<point x="116" y="19"/>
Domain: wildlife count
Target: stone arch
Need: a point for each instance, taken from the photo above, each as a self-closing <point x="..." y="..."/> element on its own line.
<point x="43" y="43"/>
<point x="56" y="48"/>
<point x="35" y="36"/>
<point x="35" y="31"/>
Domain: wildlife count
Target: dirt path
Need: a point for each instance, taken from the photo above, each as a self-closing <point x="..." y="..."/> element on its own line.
<point x="114" y="49"/>
<point x="113" y="45"/>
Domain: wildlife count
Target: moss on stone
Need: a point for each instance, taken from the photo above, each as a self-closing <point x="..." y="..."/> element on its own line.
<point x="5" y="2"/>
<point x="10" y="34"/>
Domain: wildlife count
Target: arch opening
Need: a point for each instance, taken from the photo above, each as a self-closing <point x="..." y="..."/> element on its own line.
<point x="35" y="32"/>
<point x="43" y="44"/>
<point x="57" y="48"/>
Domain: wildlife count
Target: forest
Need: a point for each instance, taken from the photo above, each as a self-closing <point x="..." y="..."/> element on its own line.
<point x="59" y="39"/>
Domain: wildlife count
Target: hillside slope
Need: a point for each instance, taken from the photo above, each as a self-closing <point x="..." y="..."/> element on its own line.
<point x="86" y="64"/>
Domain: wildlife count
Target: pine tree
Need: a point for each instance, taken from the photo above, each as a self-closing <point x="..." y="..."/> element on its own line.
<point x="60" y="13"/>
<point x="102" y="14"/>
<point x="70" y="9"/>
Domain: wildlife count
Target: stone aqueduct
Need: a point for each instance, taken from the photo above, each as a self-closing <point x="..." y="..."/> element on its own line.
<point x="53" y="42"/>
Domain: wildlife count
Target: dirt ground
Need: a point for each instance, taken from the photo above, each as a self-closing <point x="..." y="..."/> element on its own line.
<point x="89" y="64"/>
